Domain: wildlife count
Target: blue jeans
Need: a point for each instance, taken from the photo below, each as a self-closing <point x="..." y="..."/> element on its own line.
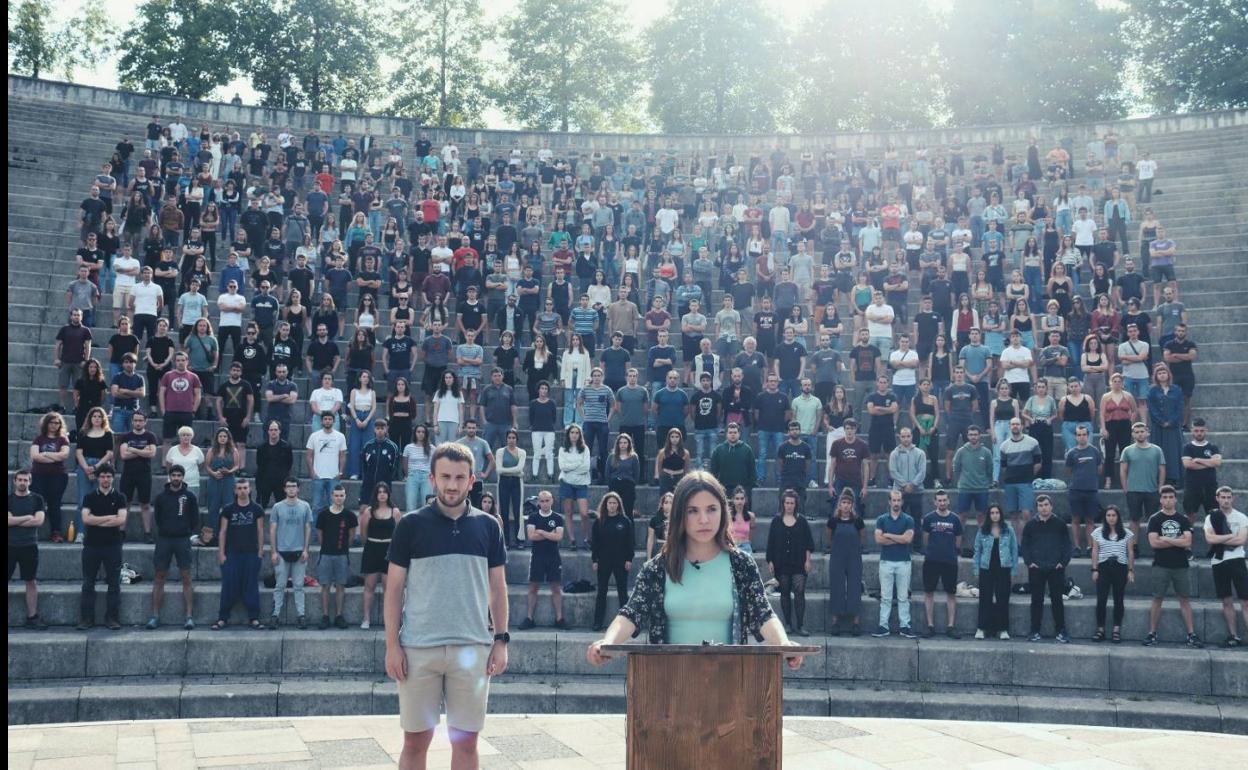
<point x="905" y="394"/>
<point x="357" y="437"/>
<point x="321" y="491"/>
<point x="884" y="344"/>
<point x="768" y="444"/>
<point x="569" y="405"/>
<point x="120" y="419"/>
<point x="1000" y="432"/>
<point x="416" y="488"/>
<point x="791" y="388"/>
<point x="1068" y="433"/>
<point x="895" y="577"/>
<point x="1032" y="276"/>
<point x="706" y="441"/>
<point x="1138" y="388"/>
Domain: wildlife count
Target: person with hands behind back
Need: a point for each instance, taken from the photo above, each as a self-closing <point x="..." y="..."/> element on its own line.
<point x="686" y="594"/>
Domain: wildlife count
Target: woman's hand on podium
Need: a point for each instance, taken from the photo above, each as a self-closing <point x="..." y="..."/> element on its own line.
<point x="796" y="661"/>
<point x="595" y="655"/>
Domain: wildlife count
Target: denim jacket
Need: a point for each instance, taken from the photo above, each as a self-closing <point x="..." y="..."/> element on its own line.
<point x="983" y="550"/>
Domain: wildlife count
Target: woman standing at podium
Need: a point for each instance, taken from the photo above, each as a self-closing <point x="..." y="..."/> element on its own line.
<point x="699" y="588"/>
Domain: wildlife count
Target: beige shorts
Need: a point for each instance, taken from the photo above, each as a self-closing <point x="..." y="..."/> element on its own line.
<point x="454" y="674"/>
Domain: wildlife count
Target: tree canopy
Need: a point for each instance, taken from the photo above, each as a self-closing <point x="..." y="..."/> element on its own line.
<point x="440" y="77"/>
<point x="1192" y="54"/>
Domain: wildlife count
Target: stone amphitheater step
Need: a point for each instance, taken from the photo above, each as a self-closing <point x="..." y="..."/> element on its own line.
<point x="63" y="563"/>
<point x="45" y="659"/>
<point x="166" y="698"/>
<point x="59" y="605"/>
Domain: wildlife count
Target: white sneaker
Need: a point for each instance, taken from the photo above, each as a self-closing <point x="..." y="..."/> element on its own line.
<point x="1004" y="636"/>
<point x="364" y="626"/>
<point x="813" y="485"/>
<point x="979" y="633"/>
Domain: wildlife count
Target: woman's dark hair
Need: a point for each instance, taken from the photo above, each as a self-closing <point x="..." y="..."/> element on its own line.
<point x="732" y="507"/>
<point x="986" y="527"/>
<point x="423" y="444"/>
<point x="493" y="502"/>
<point x="378" y="487"/>
<point x="1119" y="530"/>
<point x="454" y="387"/>
<point x="673" y="553"/>
<point x="790" y="494"/>
<point x="580" y="438"/>
<point x="602" y="504"/>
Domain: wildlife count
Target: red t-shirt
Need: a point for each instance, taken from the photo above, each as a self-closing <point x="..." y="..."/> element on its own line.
<point x="890" y="217"/>
<point x="325" y="182"/>
<point x="180" y="390"/>
<point x="431" y="209"/>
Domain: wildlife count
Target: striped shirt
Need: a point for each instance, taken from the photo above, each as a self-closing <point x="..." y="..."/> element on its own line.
<point x="1111" y="550"/>
<point x="584" y="319"/>
<point x="596" y="402"/>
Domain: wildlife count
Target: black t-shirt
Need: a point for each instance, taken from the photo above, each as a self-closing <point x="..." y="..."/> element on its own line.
<point x="772" y="409"/>
<point x="400" y="352"/>
<point x="241" y="531"/>
<point x="104" y="504"/>
<point x="142" y="440"/>
<point x="1170" y="526"/>
<point x="882" y="424"/>
<point x="1103" y="253"/>
<point x="285" y="352"/>
<point x="544" y="548"/>
<point x="336" y="530"/>
<point x="322" y="354"/>
<point x="862" y="360"/>
<point x="615" y="365"/>
<point x="752" y="366"/>
<point x="1132" y="285"/>
<point x="470" y="315"/>
<point x="94" y="209"/>
<point x="1181" y="369"/>
<point x="542" y="416"/>
<point x="928" y="325"/>
<point x="234" y="396"/>
<point x="793" y="460"/>
<point x="658" y="525"/>
<point x="159" y="348"/>
<point x="95" y="446"/>
<point x="790" y="355"/>
<point x="121" y="345"/>
<point x="1204" y="478"/>
<point x="301" y="279"/>
<point x="706" y="410"/>
<point x="73" y="341"/>
<point x="765" y="329"/>
<point x="25" y="505"/>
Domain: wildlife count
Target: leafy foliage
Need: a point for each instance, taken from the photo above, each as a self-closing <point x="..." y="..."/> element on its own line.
<point x="185" y="48"/>
<point x="37" y="47"/>
<point x="440" y="77"/>
<point x="1191" y="54"/>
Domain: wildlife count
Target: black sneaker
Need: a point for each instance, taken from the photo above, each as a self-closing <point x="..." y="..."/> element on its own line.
<point x="930" y="633"/>
<point x="301" y="623"/>
<point x="273" y="623"/>
<point x="85" y="624"/>
<point x="1151" y="639"/>
<point x="526" y="624"/>
<point x="340" y="622"/>
<point x="324" y="624"/>
<point x="1194" y="642"/>
<point x="35" y="623"/>
<point x="1035" y="637"/>
<point x="907" y="633"/>
<point x="562" y="624"/>
<point x="147" y="538"/>
<point x="1063" y="637"/>
<point x="952" y="633"/>
<point x="880" y="632"/>
<point x="1232" y="641"/>
<point x="799" y="631"/>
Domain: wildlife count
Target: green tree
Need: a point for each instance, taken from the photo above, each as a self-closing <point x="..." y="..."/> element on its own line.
<point x="1191" y="54"/>
<point x="569" y="63"/>
<point x="873" y="68"/>
<point x="37" y="47"/>
<point x="1057" y="61"/>
<point x="440" y="77"/>
<point x="185" y="48"/>
<point x="728" y="75"/>
<point x="319" y="54"/>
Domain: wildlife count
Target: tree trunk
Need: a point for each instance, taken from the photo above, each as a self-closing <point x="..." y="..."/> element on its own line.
<point x="563" y="95"/>
<point x="443" y="55"/>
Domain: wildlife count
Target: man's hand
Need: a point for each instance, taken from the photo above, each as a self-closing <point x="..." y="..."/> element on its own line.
<point x="496" y="665"/>
<point x="396" y="663"/>
<point x="274" y="558"/>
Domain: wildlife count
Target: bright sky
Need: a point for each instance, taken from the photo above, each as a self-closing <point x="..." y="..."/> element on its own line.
<point x="640" y="12"/>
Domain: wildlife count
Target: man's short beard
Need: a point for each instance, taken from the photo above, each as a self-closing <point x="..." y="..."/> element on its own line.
<point x="446" y="503"/>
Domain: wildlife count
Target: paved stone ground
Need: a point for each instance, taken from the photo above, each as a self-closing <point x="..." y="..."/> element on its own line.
<point x="582" y="742"/>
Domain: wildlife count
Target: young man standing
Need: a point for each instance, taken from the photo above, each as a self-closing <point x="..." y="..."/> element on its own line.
<point x="327" y="458"/>
<point x="594" y="405"/>
<point x="26" y="514"/>
<point x="1201" y="461"/>
<point x="632" y="403"/>
<point x="1085" y="463"/>
<point x="1045" y="549"/>
<point x="894" y="531"/>
<point x="1170" y="535"/>
<point x="1142" y="471"/>
<point x="137" y="446"/>
<point x="337" y="527"/>
<point x="545" y="530"/>
<point x="379" y="460"/>
<point x="1020" y="465"/>
<point x="849" y="459"/>
<point x="437" y="650"/>
<point x="771" y="409"/>
<point x="940" y="563"/>
<point x="794" y="459"/>
<point x="1230" y="570"/>
<point x="177" y="518"/>
<point x="290" y="535"/>
<point x="104" y="514"/>
<point x="883" y="407"/>
<point x="239" y="549"/>
<point x="907" y="470"/>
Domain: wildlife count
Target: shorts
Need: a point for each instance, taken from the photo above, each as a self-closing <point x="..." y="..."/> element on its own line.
<point x="68" y="374"/>
<point x="1019" y="497"/>
<point x="470" y="384"/>
<point x="1085" y="505"/>
<point x="1198" y="496"/>
<point x="977" y="500"/>
<point x="26" y="557"/>
<point x="1227" y="576"/>
<point x="882" y="441"/>
<point x="1141" y="505"/>
<point x="1163" y="273"/>
<point x="1187" y="385"/>
<point x="332" y="569"/>
<point x="572" y="491"/>
<point x="955" y="430"/>
<point x="943" y="573"/>
<point x="173" y="421"/>
<point x="454" y="674"/>
<point x="1165" y="578"/>
<point x="170" y="548"/>
<point x="431" y="378"/>
<point x="546" y="569"/>
<point x="136" y="486"/>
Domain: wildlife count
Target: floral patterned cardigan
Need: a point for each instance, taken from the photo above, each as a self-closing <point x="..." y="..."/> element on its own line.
<point x="750" y="608"/>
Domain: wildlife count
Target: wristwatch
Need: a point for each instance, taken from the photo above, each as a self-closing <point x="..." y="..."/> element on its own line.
<point x="504" y="637"/>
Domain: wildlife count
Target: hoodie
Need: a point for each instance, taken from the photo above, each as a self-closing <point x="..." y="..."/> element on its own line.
<point x="1045" y="542"/>
<point x="176" y="512"/>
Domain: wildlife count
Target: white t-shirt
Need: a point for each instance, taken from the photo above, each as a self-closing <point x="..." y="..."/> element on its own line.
<point x="1085" y="231"/>
<point x="1016" y="355"/>
<point x="347" y="167"/>
<point x="124" y="281"/>
<point x="146" y="298"/>
<point x="1236" y="521"/>
<point x="323" y="400"/>
<point x="231" y="307"/>
<point x="448" y="407"/>
<point x="880" y="320"/>
<point x="1146" y="168"/>
<point x="325" y="448"/>
<point x="667" y="219"/>
<point x="442" y="257"/>
<point x="903" y="375"/>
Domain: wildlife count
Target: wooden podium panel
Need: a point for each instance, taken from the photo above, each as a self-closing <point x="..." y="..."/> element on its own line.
<point x="705" y="707"/>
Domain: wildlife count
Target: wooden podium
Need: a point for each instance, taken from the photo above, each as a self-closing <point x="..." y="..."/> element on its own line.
<point x="705" y="706"/>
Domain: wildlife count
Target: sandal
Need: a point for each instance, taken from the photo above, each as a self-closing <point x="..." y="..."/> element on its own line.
<point x="1099" y="636"/>
<point x="220" y="624"/>
<point x="1116" y="636"/>
<point x="256" y="625"/>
